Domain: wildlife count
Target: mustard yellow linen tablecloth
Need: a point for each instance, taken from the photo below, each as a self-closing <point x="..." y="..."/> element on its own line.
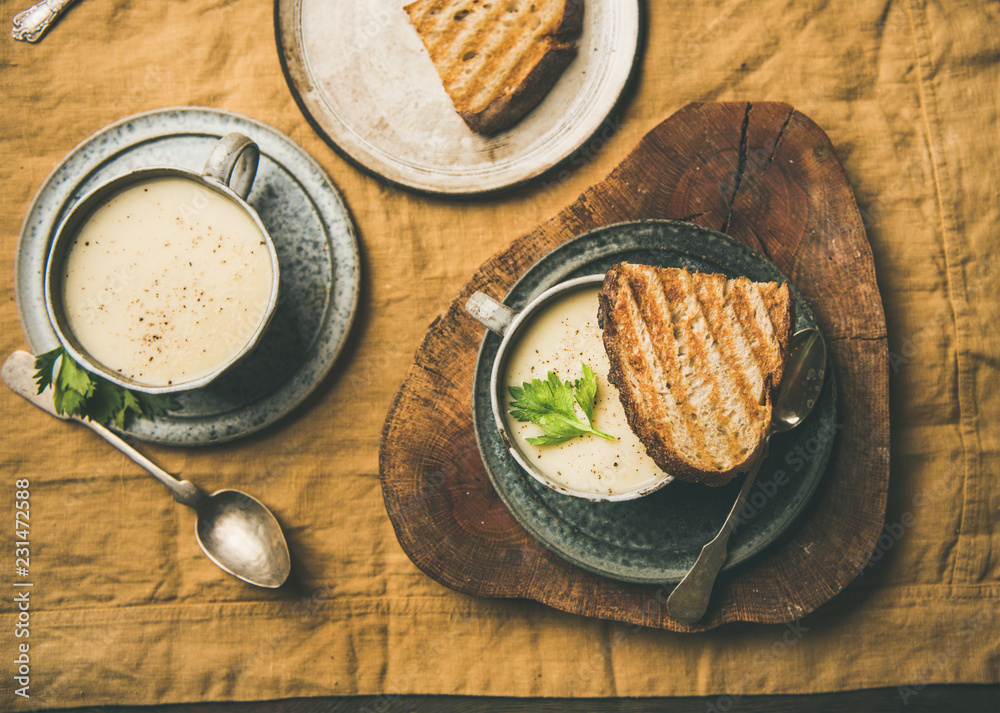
<point x="125" y="609"/>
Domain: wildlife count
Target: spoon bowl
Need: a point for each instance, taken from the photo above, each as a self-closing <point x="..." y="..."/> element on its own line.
<point x="795" y="398"/>
<point x="240" y="535"/>
<point x="803" y="380"/>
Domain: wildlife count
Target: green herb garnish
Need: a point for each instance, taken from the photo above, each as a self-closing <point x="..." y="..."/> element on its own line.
<point x="76" y="392"/>
<point x="549" y="404"/>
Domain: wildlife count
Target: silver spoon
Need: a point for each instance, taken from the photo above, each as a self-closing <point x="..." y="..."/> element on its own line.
<point x="31" y="24"/>
<point x="797" y="394"/>
<point x="236" y="531"/>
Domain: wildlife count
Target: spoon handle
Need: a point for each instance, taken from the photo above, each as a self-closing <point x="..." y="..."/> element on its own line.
<point x="18" y="374"/>
<point x="31" y="24"/>
<point x="689" y="600"/>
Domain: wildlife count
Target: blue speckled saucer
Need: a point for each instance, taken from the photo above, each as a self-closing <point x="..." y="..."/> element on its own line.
<point x="317" y="254"/>
<point x="656" y="539"/>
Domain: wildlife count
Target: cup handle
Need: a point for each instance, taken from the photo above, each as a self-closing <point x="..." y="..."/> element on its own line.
<point x="233" y="163"/>
<point x="488" y="312"/>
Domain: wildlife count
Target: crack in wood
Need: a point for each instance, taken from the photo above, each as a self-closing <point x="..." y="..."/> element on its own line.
<point x="692" y="217"/>
<point x="741" y="167"/>
<point x="777" y="141"/>
<point x="741" y="171"/>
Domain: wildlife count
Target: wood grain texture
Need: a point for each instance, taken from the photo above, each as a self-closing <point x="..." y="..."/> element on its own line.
<point x="766" y="175"/>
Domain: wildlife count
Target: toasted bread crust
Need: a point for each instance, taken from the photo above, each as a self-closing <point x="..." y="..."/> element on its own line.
<point x="695" y="358"/>
<point x="514" y="103"/>
<point x="497" y="59"/>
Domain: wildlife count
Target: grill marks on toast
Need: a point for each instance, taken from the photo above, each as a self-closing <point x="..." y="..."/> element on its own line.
<point x="731" y="378"/>
<point x="497" y="58"/>
<point x="706" y="369"/>
<point x="467" y="41"/>
<point x="756" y="327"/>
<point x="695" y="358"/>
<point x="653" y="369"/>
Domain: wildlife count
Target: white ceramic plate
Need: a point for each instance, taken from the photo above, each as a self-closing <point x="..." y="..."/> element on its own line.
<point x="362" y="77"/>
<point x="313" y="235"/>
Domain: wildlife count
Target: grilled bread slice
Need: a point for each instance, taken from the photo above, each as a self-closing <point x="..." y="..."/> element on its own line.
<point x="695" y="358"/>
<point x="497" y="58"/>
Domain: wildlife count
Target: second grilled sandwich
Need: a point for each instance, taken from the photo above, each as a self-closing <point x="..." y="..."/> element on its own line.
<point x="497" y="59"/>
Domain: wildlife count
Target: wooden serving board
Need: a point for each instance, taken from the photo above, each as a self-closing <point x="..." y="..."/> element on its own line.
<point x="766" y="175"/>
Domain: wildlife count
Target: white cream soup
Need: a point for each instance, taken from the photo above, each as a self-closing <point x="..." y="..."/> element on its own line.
<point x="559" y="338"/>
<point x="166" y="281"/>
